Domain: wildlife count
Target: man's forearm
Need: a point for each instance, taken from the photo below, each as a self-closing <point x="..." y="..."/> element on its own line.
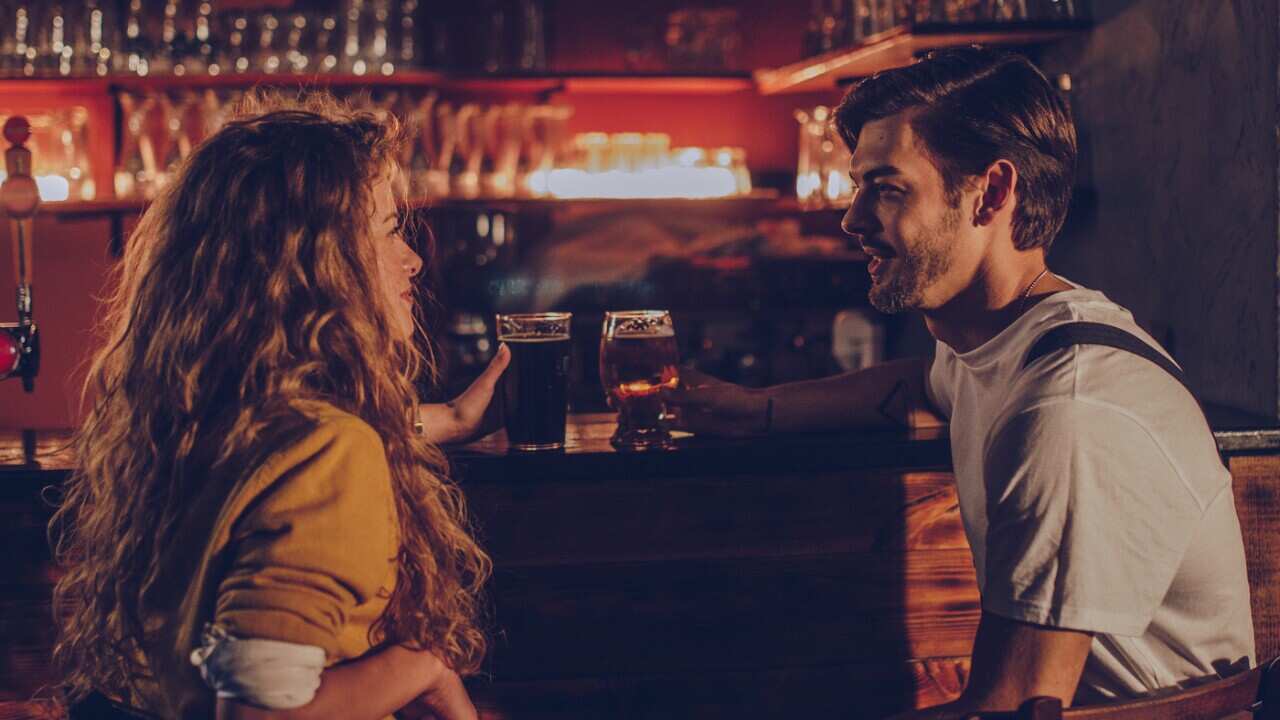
<point x="889" y="395"/>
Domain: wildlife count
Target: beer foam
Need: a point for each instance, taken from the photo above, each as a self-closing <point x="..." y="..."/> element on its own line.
<point x="532" y="338"/>
<point x="661" y="331"/>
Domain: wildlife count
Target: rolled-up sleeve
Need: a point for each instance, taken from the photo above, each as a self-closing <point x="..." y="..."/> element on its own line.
<point x="313" y="545"/>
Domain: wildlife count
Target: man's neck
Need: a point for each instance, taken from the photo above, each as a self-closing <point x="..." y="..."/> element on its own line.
<point x="991" y="302"/>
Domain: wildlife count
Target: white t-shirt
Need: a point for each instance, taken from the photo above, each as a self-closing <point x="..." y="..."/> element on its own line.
<point x="1094" y="499"/>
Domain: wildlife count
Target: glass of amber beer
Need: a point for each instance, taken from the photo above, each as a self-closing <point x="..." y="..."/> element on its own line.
<point x="638" y="358"/>
<point x="535" y="387"/>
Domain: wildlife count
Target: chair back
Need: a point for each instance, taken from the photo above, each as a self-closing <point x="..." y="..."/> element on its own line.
<point x="1251" y="695"/>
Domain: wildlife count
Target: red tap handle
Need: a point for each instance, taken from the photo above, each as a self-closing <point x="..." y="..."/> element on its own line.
<point x="10" y="354"/>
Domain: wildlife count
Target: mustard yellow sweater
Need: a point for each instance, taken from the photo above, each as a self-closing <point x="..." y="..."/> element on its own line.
<point x="301" y="550"/>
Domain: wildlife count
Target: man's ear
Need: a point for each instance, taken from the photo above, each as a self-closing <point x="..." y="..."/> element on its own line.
<point x="998" y="184"/>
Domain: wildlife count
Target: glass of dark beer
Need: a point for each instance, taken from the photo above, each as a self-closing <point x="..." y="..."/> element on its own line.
<point x="638" y="358"/>
<point x="535" y="387"/>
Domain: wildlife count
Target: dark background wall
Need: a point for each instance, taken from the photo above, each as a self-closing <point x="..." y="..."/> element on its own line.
<point x="1176" y="103"/>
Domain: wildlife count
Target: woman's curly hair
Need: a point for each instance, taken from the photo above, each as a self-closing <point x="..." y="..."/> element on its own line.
<point x="251" y="283"/>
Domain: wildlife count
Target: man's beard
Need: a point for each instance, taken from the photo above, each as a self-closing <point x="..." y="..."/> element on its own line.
<point x="926" y="259"/>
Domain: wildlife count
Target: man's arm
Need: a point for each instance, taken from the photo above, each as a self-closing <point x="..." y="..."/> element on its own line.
<point x="890" y="395"/>
<point x="1013" y="662"/>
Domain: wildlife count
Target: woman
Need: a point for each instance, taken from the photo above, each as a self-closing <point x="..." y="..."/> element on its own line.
<point x="254" y="526"/>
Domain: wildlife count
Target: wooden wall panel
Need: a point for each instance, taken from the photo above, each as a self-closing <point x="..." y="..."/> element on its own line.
<point x="1257" y="490"/>
<point x="631" y="520"/>
<point x="828" y="691"/>
<point x="638" y="618"/>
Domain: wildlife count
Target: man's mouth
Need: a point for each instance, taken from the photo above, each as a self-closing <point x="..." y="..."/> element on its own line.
<point x="875" y="266"/>
<point x="878" y="254"/>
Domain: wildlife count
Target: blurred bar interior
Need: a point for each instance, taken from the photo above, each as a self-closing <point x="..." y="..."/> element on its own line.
<point x="584" y="157"/>
<point x="569" y="155"/>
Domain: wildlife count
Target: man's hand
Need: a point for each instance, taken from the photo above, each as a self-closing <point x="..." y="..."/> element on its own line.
<point x="462" y="419"/>
<point x="1014" y="662"/>
<point x="703" y="404"/>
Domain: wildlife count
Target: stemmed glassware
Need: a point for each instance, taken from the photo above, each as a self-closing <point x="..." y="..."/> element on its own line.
<point x="178" y="139"/>
<point x="136" y="174"/>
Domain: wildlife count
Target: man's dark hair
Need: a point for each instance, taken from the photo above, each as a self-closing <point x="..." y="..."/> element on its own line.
<point x="972" y="107"/>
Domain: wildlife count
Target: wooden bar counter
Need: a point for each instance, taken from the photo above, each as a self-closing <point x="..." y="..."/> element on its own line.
<point x="793" y="576"/>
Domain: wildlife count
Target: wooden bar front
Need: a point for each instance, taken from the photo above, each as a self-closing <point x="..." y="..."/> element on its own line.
<point x="787" y="577"/>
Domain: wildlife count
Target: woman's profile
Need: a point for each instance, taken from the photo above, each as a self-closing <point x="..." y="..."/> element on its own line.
<point x="255" y="527"/>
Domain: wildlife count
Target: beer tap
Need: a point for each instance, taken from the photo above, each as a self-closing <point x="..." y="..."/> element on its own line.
<point x="19" y="197"/>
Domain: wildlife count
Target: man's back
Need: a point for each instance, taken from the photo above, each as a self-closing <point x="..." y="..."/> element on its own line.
<point x="1094" y="499"/>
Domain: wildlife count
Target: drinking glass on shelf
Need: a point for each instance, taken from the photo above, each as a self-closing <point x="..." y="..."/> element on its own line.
<point x="535" y="386"/>
<point x="1053" y="9"/>
<point x="405" y="34"/>
<point x="266" y="56"/>
<point x="325" y="43"/>
<point x="468" y="155"/>
<point x="233" y="41"/>
<point x="135" y="176"/>
<point x="378" y="45"/>
<point x="177" y="136"/>
<point x="415" y="157"/>
<point x="734" y="159"/>
<point x="1004" y="10"/>
<point x="215" y="109"/>
<point x="638" y="358"/>
<point x="135" y="55"/>
<point x="296" y="57"/>
<point x="74" y="143"/>
<point x="533" y="36"/>
<point x="444" y="146"/>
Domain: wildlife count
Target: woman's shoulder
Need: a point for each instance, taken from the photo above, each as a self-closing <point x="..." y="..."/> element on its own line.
<point x="328" y="422"/>
<point x="331" y="449"/>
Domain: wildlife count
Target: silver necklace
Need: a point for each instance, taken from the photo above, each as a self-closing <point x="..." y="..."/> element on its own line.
<point x="1022" y="306"/>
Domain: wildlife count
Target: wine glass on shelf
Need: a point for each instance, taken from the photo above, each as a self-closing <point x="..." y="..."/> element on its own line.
<point x="444" y="139"/>
<point x="468" y="156"/>
<point x="415" y="157"/>
<point x="639" y="359"/>
<point x="135" y="176"/>
<point x="177" y="136"/>
<point x="75" y="153"/>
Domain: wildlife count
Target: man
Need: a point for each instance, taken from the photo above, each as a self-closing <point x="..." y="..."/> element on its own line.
<point x="1101" y="519"/>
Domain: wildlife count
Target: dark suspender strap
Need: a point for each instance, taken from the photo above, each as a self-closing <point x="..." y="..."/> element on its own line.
<point x="1089" y="333"/>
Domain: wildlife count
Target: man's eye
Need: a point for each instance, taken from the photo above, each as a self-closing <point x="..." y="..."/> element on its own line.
<point x="884" y="189"/>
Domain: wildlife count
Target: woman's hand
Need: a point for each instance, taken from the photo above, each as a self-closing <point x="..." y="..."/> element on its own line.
<point x="703" y="404"/>
<point x="463" y="418"/>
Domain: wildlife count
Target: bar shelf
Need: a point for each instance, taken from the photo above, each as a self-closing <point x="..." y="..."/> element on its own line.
<point x="540" y="83"/>
<point x="761" y="201"/>
<point x="898" y="47"/>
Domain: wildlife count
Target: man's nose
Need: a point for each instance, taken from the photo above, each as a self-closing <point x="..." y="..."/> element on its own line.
<point x="857" y="220"/>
